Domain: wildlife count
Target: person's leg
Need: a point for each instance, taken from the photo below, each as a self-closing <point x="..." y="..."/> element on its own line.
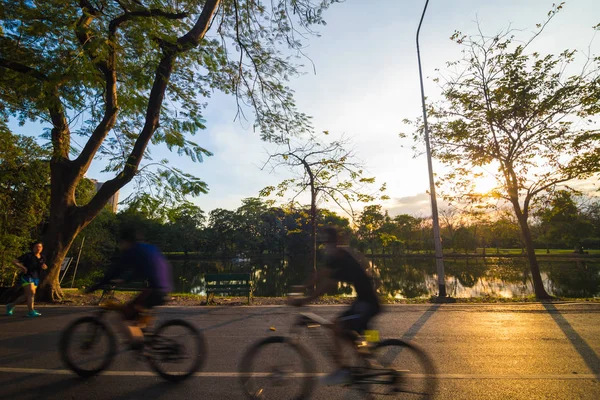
<point x="30" y="292"/>
<point x="342" y="334"/>
<point x="19" y="300"/>
<point x="154" y="298"/>
<point x="345" y="329"/>
<point x="10" y="307"/>
<point x="131" y="312"/>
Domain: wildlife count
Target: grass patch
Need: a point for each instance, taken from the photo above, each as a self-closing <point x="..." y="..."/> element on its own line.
<point x="540" y="252"/>
<point x="78" y="298"/>
<point x="188" y="295"/>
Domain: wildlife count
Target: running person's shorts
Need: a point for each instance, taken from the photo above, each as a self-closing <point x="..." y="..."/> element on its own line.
<point x="27" y="280"/>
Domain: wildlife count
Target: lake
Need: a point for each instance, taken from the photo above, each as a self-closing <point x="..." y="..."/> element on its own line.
<point x="411" y="277"/>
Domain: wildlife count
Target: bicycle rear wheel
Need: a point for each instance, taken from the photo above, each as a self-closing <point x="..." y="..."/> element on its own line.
<point x="176" y="350"/>
<point x="400" y="370"/>
<point x="277" y="368"/>
<point x="87" y="346"/>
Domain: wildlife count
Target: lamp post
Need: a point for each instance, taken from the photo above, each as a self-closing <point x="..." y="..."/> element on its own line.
<point x="439" y="257"/>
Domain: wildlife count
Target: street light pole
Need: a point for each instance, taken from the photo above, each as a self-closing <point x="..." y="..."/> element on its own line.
<point x="439" y="257"/>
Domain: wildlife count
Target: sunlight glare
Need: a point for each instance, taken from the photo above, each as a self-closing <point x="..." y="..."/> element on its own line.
<point x="484" y="184"/>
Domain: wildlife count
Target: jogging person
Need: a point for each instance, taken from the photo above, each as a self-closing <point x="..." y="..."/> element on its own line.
<point x="343" y="265"/>
<point x="31" y="265"/>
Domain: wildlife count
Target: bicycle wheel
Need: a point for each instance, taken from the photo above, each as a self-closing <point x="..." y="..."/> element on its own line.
<point x="87" y="346"/>
<point x="277" y="368"/>
<point x="176" y="350"/>
<point x="400" y="370"/>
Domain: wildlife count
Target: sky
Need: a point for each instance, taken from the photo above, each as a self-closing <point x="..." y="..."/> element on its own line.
<point x="366" y="83"/>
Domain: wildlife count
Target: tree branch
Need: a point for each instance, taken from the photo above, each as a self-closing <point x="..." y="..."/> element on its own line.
<point x="153" y="12"/>
<point x="196" y="34"/>
<point x="108" y="69"/>
<point x="155" y="100"/>
<point x="23" y="69"/>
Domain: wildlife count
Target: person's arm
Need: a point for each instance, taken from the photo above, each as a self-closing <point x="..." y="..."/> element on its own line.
<point x="18" y="263"/>
<point x="324" y="282"/>
<point x="111" y="274"/>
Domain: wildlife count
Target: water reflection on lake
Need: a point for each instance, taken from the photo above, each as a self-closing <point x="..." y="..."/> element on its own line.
<point x="411" y="277"/>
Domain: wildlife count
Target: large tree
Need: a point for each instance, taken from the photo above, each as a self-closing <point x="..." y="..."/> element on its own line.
<point x="124" y="75"/>
<point x="527" y="118"/>
<point x="328" y="171"/>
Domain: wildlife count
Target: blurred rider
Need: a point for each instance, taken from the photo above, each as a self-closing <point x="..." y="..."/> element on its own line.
<point x="343" y="264"/>
<point x="140" y="262"/>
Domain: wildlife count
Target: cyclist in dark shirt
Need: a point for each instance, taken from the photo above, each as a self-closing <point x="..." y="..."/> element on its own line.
<point x="31" y="265"/>
<point x="139" y="262"/>
<point x="344" y="265"/>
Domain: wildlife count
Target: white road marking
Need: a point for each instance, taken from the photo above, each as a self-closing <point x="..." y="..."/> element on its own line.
<point x="299" y="375"/>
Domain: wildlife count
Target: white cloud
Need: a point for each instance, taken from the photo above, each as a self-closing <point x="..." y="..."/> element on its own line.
<point x="418" y="204"/>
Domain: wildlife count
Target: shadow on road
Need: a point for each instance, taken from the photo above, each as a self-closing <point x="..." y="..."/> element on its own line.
<point x="416" y="327"/>
<point x="32" y="345"/>
<point x="26" y="387"/>
<point x="156" y="391"/>
<point x="261" y="313"/>
<point x="585" y="351"/>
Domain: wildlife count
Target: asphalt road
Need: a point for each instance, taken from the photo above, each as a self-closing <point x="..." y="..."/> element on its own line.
<point x="517" y="351"/>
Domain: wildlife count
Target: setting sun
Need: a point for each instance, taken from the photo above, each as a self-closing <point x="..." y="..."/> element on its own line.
<point x="485" y="183"/>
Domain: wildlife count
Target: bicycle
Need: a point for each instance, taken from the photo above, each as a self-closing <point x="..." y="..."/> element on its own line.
<point x="379" y="369"/>
<point x="91" y="337"/>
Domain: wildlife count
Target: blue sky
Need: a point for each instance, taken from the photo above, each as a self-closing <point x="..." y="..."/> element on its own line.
<point x="366" y="83"/>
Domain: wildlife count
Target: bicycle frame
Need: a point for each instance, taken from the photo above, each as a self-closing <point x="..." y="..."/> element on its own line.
<point x="311" y="320"/>
<point x="360" y="375"/>
<point x="125" y="329"/>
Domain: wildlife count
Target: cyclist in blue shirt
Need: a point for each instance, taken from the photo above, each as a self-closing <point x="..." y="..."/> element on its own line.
<point x="140" y="262"/>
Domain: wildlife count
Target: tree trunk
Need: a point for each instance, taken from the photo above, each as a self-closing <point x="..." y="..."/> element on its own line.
<point x="65" y="222"/>
<point x="313" y="231"/>
<point x="538" y="285"/>
<point x="66" y="219"/>
<point x="56" y="244"/>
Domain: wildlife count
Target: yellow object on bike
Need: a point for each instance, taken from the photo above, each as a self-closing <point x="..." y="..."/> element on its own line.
<point x="372" y="336"/>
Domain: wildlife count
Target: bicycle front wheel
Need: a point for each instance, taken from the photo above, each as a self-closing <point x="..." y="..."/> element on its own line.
<point x="277" y="368"/>
<point x="400" y="370"/>
<point x="176" y="350"/>
<point x="87" y="346"/>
